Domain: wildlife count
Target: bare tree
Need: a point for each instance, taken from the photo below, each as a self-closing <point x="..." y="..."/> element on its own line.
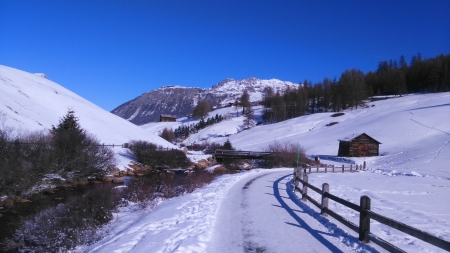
<point x="201" y="110"/>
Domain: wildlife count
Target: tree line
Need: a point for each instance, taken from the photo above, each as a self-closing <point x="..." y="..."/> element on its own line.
<point x="184" y="131"/>
<point x="353" y="87"/>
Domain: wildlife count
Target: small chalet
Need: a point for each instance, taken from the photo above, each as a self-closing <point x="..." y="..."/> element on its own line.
<point x="358" y="145"/>
<point x="167" y="118"/>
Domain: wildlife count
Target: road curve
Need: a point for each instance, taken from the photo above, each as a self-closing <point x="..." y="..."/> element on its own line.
<point x="261" y="214"/>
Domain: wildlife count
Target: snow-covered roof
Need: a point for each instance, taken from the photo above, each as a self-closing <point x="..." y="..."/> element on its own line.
<point x="356" y="135"/>
<point x="168" y="116"/>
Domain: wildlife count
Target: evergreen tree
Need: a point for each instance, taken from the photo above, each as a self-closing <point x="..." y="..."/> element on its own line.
<point x="76" y="153"/>
<point x="227" y="145"/>
<point x="67" y="137"/>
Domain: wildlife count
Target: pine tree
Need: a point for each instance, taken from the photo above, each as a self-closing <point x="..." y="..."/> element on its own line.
<point x="227" y="145"/>
<point x="67" y="136"/>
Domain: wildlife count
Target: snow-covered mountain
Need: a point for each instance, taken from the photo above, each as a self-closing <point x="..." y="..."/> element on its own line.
<point x="32" y="102"/>
<point x="180" y="101"/>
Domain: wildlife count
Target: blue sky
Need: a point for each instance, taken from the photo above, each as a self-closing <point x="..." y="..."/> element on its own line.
<point x="110" y="52"/>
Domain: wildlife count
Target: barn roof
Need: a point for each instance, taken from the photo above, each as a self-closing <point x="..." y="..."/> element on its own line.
<point x="167" y="116"/>
<point x="353" y="136"/>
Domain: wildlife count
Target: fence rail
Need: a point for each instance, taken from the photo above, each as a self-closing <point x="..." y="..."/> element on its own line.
<point x="365" y="214"/>
<point x="123" y="145"/>
<point x="324" y="168"/>
<point x="233" y="154"/>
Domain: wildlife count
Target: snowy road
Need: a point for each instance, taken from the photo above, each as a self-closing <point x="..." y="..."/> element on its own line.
<point x="261" y="214"/>
<point x="255" y="211"/>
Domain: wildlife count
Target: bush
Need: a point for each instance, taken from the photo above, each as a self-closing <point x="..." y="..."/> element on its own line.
<point x="158" y="157"/>
<point x="284" y="155"/>
<point x="211" y="148"/>
<point x="67" y="225"/>
<point x="77" y="222"/>
<point x="168" y="135"/>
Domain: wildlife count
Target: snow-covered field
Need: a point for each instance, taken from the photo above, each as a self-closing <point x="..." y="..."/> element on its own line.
<point x="409" y="181"/>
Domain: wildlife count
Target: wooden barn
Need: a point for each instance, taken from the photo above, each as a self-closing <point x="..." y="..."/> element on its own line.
<point x="359" y="145"/>
<point x="167" y="118"/>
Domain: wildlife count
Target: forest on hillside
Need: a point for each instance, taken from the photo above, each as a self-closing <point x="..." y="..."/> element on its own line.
<point x="354" y="86"/>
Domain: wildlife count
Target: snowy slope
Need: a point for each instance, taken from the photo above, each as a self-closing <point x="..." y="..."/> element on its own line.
<point x="414" y="131"/>
<point x="251" y="211"/>
<point x="31" y="102"/>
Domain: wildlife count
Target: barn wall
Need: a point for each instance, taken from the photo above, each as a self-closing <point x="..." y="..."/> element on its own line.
<point x="363" y="146"/>
<point x="167" y="119"/>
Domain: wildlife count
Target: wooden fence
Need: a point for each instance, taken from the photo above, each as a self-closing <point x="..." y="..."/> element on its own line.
<point x="124" y="145"/>
<point x="365" y="214"/>
<point x="324" y="168"/>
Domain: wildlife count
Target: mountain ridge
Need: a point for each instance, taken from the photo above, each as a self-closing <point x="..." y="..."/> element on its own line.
<point x="179" y="100"/>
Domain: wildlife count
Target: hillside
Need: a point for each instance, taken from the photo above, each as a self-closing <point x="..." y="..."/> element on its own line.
<point x="180" y="101"/>
<point x="31" y="102"/>
<point x="408" y="183"/>
<point x="413" y="130"/>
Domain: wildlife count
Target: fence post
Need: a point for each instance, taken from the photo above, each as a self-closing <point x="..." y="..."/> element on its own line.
<point x="333" y="167"/>
<point x="324" y="205"/>
<point x="342" y="168"/>
<point x="326" y="168"/>
<point x="364" y="219"/>
<point x="351" y="167"/>
<point x="295" y="179"/>
<point x="364" y="166"/>
<point x="309" y="169"/>
<point x="305" y="188"/>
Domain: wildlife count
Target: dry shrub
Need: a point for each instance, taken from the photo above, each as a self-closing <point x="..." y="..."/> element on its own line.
<point x="67" y="225"/>
<point x="157" y="157"/>
<point x="168" y="135"/>
<point x="284" y="155"/>
<point x="77" y="222"/>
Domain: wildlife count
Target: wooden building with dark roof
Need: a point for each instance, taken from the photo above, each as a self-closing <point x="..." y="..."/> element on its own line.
<point x="167" y="118"/>
<point x="358" y="145"/>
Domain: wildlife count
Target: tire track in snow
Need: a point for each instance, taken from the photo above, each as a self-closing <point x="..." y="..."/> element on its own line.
<point x="249" y="245"/>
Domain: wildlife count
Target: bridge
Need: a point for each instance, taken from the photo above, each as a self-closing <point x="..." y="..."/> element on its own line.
<point x="233" y="154"/>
